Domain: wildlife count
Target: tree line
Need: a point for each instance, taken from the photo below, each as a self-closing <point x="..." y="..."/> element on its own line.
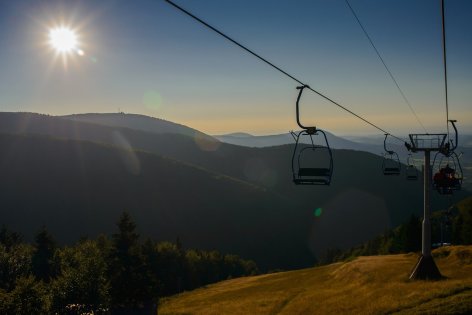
<point x="121" y="274"/>
<point x="449" y="226"/>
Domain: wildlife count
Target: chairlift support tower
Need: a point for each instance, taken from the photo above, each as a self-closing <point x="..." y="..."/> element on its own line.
<point x="426" y="268"/>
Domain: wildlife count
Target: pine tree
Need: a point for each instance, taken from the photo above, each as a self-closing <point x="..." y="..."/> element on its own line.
<point x="127" y="270"/>
<point x="42" y="260"/>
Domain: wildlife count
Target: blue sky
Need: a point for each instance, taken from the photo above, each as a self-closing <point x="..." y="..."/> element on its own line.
<point x="146" y="57"/>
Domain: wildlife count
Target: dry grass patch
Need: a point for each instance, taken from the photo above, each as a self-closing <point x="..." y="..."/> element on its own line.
<point x="366" y="285"/>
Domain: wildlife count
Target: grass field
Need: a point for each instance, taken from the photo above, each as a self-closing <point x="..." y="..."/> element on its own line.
<point x="366" y="285"/>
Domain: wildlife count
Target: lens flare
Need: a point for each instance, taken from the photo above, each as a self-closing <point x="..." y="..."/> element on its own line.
<point x="152" y="100"/>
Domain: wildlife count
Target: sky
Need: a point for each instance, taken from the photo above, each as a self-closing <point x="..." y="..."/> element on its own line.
<point x="148" y="58"/>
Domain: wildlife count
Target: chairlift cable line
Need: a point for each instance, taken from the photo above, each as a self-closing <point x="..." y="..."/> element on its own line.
<point x="445" y="66"/>
<point x="385" y="65"/>
<point x="280" y="70"/>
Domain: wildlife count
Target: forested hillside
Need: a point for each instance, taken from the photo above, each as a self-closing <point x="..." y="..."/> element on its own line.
<point x="121" y="274"/>
<point x="74" y="188"/>
<point x="212" y="195"/>
<point x="452" y="225"/>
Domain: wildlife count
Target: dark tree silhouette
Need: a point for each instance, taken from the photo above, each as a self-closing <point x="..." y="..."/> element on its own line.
<point x="42" y="260"/>
<point x="9" y="238"/>
<point x="127" y="270"/>
<point x="121" y="275"/>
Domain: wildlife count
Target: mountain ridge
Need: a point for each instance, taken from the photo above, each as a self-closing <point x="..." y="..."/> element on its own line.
<point x="138" y="122"/>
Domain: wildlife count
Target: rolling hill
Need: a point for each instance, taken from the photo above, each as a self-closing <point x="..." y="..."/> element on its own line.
<point x="137" y="122"/>
<point x="80" y="188"/>
<point x="358" y="196"/>
<point x="366" y="285"/>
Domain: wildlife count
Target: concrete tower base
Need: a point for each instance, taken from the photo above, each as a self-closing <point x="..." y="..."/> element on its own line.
<point x="425" y="269"/>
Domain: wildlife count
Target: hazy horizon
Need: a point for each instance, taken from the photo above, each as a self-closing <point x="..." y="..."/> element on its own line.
<point x="276" y="132"/>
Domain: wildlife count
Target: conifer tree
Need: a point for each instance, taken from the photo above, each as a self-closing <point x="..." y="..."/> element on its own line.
<point x="126" y="267"/>
<point x="43" y="256"/>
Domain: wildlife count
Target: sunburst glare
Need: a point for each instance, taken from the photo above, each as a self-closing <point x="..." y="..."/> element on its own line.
<point x="63" y="40"/>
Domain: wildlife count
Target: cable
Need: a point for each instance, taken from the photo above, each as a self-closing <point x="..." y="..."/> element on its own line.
<point x="280" y="70"/>
<point x="445" y="66"/>
<point x="385" y="65"/>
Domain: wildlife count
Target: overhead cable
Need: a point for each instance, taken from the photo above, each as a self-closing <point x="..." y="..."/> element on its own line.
<point x="385" y="65"/>
<point x="445" y="66"/>
<point x="280" y="70"/>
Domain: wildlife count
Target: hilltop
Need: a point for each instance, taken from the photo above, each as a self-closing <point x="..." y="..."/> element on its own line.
<point x="366" y="285"/>
<point x="137" y="122"/>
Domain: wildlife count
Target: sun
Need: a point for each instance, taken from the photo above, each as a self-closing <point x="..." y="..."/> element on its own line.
<point x="63" y="40"/>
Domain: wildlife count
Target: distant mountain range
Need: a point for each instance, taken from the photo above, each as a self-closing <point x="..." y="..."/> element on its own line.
<point x="373" y="144"/>
<point x="248" y="140"/>
<point x="75" y="177"/>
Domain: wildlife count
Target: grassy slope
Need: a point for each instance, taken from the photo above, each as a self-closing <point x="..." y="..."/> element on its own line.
<point x="367" y="285"/>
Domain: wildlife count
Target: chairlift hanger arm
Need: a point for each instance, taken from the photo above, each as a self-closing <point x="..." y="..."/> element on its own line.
<point x="385" y="145"/>
<point x="451" y="145"/>
<point x="301" y="88"/>
<point x="454" y="145"/>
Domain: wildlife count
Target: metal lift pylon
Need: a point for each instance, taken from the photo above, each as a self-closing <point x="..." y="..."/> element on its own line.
<point x="425" y="268"/>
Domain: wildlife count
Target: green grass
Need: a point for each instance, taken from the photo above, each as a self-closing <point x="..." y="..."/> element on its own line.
<point x="366" y="285"/>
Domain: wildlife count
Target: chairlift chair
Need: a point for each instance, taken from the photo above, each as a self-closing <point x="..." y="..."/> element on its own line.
<point x="411" y="170"/>
<point x="448" y="176"/>
<point x="312" y="164"/>
<point x="391" y="162"/>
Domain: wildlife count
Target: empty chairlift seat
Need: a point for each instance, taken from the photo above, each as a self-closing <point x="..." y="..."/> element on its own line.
<point x="312" y="164"/>
<point x="391" y="162"/>
<point x="411" y="172"/>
